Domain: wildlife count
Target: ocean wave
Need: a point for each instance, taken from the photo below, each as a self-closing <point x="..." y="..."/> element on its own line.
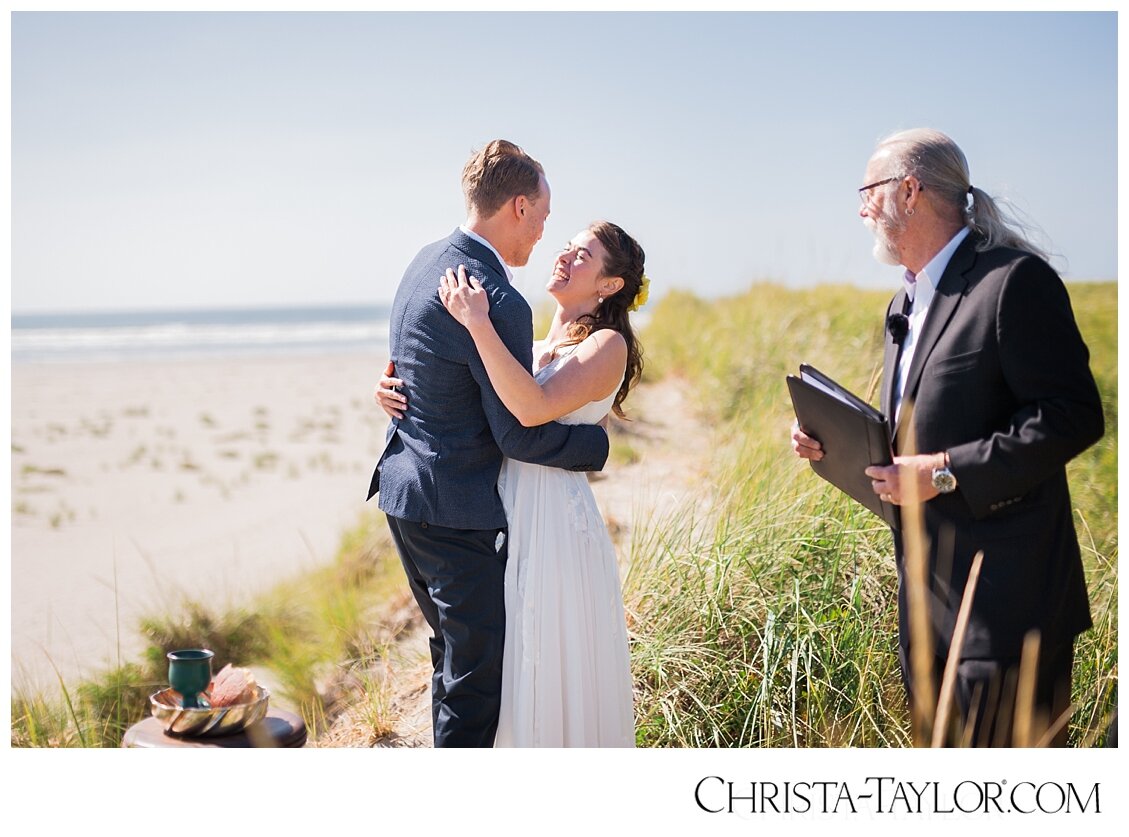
<point x="184" y="339"/>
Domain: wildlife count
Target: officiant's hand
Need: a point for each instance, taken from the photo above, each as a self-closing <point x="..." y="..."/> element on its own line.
<point x="908" y="480"/>
<point x="464" y="298"/>
<point x="804" y="446"/>
<point x="387" y="396"/>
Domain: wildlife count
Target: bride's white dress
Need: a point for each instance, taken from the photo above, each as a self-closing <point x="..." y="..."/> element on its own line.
<point x="566" y="670"/>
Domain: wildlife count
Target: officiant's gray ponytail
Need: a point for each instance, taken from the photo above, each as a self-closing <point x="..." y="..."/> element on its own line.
<point x="935" y="160"/>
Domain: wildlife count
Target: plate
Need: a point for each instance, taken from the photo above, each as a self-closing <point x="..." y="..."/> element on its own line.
<point x="210" y="722"/>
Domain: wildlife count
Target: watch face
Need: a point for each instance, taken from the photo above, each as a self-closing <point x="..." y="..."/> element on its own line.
<point x="943" y="480"/>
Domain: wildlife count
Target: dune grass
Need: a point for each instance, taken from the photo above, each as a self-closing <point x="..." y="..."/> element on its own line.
<point x="774" y="623"/>
<point x="766" y="619"/>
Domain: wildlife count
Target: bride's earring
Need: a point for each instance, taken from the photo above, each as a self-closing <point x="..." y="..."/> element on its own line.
<point x="599" y="300"/>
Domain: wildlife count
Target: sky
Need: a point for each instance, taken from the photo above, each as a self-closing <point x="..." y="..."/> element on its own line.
<point x="187" y="160"/>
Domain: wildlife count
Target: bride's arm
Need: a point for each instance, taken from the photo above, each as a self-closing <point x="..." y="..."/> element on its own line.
<point x="592" y="372"/>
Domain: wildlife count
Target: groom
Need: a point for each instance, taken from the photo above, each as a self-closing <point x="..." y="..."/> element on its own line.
<point x="437" y="476"/>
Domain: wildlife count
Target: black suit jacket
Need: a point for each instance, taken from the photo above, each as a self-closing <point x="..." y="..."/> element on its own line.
<point x="441" y="461"/>
<point x="1000" y="379"/>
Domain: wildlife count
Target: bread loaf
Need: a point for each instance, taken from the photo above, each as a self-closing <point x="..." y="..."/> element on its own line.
<point x="231" y="686"/>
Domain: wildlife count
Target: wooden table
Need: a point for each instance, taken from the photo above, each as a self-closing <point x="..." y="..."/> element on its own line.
<point x="278" y="728"/>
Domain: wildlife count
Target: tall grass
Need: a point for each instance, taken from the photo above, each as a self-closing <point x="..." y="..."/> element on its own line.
<point x="774" y="622"/>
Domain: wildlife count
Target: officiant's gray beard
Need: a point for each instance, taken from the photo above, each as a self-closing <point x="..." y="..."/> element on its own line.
<point x="884" y="250"/>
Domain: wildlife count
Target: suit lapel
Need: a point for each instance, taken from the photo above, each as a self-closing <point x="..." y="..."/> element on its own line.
<point x="946" y="299"/>
<point x="890" y="360"/>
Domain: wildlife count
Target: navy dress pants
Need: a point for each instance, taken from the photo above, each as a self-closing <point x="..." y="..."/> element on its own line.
<point x="457" y="577"/>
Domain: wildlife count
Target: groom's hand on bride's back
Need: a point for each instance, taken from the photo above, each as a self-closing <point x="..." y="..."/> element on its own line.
<point x="804" y="446"/>
<point x="387" y="394"/>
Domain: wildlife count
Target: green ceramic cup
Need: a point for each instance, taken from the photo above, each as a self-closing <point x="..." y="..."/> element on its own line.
<point x="190" y="672"/>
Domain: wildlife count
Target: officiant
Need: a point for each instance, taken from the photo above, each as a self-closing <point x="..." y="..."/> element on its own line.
<point x="989" y="394"/>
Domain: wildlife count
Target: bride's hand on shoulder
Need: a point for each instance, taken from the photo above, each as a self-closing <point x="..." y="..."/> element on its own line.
<point x="464" y="298"/>
<point x="387" y="395"/>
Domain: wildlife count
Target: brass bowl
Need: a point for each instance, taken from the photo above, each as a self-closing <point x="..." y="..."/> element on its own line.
<point x="204" y="723"/>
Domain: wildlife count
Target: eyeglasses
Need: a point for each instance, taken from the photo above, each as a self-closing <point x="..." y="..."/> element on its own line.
<point x="863" y="191"/>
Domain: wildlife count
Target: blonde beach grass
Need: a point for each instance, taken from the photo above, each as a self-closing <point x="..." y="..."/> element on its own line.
<point x="778" y="627"/>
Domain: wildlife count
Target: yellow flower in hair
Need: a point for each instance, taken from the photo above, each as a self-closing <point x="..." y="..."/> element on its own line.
<point x="642" y="296"/>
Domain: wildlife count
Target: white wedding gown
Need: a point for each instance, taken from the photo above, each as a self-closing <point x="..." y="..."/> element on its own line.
<point x="566" y="670"/>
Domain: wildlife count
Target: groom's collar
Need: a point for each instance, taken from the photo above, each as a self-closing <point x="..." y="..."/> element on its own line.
<point x="476" y="237"/>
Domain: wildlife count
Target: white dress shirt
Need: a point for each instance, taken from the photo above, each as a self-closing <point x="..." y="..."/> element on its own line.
<point x="921" y="293"/>
<point x="481" y="240"/>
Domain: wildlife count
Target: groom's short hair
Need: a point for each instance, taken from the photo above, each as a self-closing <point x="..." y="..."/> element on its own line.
<point x="499" y="172"/>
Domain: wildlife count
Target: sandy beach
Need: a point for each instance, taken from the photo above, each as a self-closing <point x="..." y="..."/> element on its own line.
<point x="136" y="485"/>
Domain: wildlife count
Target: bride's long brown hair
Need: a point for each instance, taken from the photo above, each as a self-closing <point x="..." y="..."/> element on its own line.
<point x="623" y="258"/>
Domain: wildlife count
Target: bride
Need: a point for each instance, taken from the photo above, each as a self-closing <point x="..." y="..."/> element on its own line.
<point x="566" y="671"/>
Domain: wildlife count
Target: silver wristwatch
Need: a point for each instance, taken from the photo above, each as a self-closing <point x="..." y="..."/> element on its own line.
<point x="943" y="479"/>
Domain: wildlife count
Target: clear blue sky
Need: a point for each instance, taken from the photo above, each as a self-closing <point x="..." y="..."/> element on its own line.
<point x="185" y="160"/>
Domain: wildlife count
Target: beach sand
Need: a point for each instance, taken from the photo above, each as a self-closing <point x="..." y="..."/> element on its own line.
<point x="138" y="486"/>
<point x="135" y="486"/>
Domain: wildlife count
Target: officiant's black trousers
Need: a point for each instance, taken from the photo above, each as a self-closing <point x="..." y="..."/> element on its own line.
<point x="457" y="576"/>
<point x="988" y="699"/>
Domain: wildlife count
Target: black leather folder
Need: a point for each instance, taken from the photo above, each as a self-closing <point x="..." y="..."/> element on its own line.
<point x="854" y="436"/>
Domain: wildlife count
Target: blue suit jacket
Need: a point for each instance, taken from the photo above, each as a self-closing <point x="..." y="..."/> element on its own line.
<point x="441" y="461"/>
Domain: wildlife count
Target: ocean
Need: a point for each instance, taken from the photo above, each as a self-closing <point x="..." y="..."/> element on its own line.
<point x="203" y="333"/>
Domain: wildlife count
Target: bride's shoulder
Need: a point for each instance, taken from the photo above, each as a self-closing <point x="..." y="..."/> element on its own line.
<point x="606" y="340"/>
